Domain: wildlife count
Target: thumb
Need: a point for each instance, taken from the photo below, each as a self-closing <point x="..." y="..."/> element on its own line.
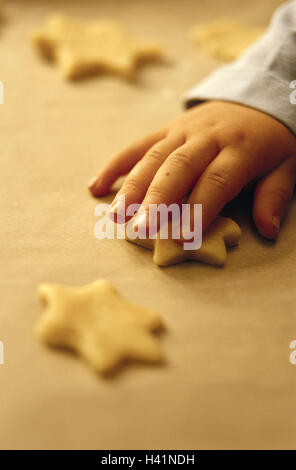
<point x="272" y="197"/>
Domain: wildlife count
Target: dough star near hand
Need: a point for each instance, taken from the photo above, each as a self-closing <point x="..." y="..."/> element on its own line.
<point x="222" y="233"/>
<point x="99" y="324"/>
<point x="82" y="49"/>
<point x="225" y="38"/>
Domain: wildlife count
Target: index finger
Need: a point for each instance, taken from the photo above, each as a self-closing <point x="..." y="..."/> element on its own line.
<point x="121" y="163"/>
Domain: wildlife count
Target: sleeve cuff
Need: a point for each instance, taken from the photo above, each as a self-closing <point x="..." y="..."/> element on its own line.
<point x="248" y="86"/>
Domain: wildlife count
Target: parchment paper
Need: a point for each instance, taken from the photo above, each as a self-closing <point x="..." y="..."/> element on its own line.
<point x="228" y="382"/>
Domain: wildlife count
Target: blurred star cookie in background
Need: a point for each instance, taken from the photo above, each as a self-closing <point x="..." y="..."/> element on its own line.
<point x="82" y="49"/>
<point x="224" y="38"/>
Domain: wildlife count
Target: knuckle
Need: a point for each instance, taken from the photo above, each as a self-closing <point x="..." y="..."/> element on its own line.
<point x="155" y="193"/>
<point x="154" y="155"/>
<point x="217" y="179"/>
<point x="210" y="122"/>
<point x="221" y="182"/>
<point x="181" y="160"/>
<point x="132" y="184"/>
<point x="231" y="135"/>
<point x="238" y="136"/>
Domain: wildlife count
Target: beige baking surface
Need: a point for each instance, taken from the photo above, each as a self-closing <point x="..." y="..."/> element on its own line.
<point x="228" y="383"/>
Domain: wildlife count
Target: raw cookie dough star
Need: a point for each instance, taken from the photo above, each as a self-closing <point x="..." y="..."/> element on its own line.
<point x="100" y="325"/>
<point x="225" y="38"/>
<point x="81" y="49"/>
<point x="222" y="233"/>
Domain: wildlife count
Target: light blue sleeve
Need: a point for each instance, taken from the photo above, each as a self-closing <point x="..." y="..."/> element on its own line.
<point x="264" y="77"/>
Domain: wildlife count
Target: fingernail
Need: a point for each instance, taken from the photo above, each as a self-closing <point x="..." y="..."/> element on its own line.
<point x="140" y="223"/>
<point x="276" y="222"/>
<point x="93" y="182"/>
<point x="118" y="207"/>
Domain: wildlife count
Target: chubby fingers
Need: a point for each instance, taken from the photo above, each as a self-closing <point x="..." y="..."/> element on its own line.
<point x="222" y="180"/>
<point x="272" y="197"/>
<point x="139" y="179"/>
<point x="178" y="173"/>
<point x="122" y="163"/>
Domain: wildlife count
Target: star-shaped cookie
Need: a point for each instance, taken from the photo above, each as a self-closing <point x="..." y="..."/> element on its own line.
<point x="99" y="324"/>
<point x="222" y="233"/>
<point x="82" y="49"/>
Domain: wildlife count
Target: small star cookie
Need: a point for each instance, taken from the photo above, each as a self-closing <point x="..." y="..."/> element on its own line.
<point x="82" y="49"/>
<point x="97" y="323"/>
<point x="222" y="233"/>
<point x="225" y="38"/>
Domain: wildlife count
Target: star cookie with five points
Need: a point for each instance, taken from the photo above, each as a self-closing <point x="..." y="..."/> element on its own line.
<point x="82" y="49"/>
<point x="222" y="233"/>
<point x="100" y="325"/>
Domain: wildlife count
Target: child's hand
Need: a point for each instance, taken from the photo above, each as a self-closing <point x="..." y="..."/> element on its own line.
<point x="215" y="149"/>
